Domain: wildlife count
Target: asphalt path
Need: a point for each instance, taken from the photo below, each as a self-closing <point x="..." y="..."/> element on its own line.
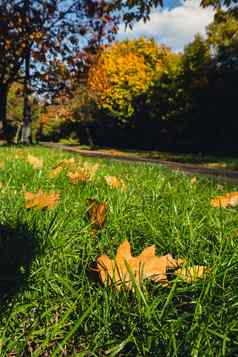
<point x="189" y="169"/>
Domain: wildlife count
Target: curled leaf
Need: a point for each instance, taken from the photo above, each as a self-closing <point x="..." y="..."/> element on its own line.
<point x="115" y="182"/>
<point x="41" y="199"/>
<point x="35" y="161"/>
<point x="228" y="200"/>
<point x="126" y="270"/>
<point x="65" y="163"/>
<point x="97" y="213"/>
<point x="192" y="274"/>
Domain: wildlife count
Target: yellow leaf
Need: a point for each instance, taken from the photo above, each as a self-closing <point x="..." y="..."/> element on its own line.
<point x="191" y="274"/>
<point x="35" y="161"/>
<point x="78" y="176"/>
<point x="228" y="200"/>
<point x="41" y="199"/>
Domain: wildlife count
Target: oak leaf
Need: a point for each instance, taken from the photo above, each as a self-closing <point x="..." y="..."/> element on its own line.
<point x="193" y="273"/>
<point x="115" y="182"/>
<point x="97" y="213"/>
<point x="41" y="199"/>
<point x="35" y="161"/>
<point x="126" y="270"/>
<point x="228" y="200"/>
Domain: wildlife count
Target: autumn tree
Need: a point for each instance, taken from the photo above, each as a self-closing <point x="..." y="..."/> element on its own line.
<point x="124" y="71"/>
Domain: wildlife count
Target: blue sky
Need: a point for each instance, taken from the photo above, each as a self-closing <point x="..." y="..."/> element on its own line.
<point x="174" y="25"/>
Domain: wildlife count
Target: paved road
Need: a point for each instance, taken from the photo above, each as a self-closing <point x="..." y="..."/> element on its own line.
<point x="220" y="174"/>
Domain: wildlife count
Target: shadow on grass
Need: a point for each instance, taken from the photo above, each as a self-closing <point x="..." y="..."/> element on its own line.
<point x="18" y="248"/>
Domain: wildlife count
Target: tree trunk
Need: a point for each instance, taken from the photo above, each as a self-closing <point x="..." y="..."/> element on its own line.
<point x="3" y="112"/>
<point x="26" y="128"/>
<point x="90" y="139"/>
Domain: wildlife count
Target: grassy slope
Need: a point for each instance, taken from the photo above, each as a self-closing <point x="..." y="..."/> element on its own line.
<point x="56" y="306"/>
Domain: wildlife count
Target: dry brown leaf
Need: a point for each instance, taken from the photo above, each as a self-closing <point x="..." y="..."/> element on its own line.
<point x="193" y="180"/>
<point x="78" y="176"/>
<point x="41" y="199"/>
<point x="228" y="200"/>
<point x="83" y="174"/>
<point x="191" y="274"/>
<point x="126" y="269"/>
<point x="115" y="182"/>
<point x="35" y="161"/>
<point x="2" y="164"/>
<point x="65" y="163"/>
<point x="97" y="213"/>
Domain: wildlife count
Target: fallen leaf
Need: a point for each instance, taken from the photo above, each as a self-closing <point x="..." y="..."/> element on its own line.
<point x="41" y="199"/>
<point x="193" y="180"/>
<point x="115" y="182"/>
<point x="65" y="163"/>
<point x="2" y="164"/>
<point x="35" y="161"/>
<point x="83" y="174"/>
<point x="55" y="171"/>
<point x="126" y="269"/>
<point x="78" y="176"/>
<point x="216" y="165"/>
<point x="228" y="200"/>
<point x="97" y="213"/>
<point x="191" y="274"/>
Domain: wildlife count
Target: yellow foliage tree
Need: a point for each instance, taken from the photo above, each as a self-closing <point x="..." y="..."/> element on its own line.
<point x="125" y="71"/>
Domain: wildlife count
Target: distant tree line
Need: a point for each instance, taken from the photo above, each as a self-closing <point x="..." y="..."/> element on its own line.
<point x="142" y="95"/>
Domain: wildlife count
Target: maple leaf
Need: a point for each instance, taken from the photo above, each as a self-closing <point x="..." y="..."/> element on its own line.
<point x="41" y="199"/>
<point x="228" y="200"/>
<point x="35" y="161"/>
<point x="97" y="213"/>
<point x="115" y="182"/>
<point x="125" y="269"/>
<point x="191" y="274"/>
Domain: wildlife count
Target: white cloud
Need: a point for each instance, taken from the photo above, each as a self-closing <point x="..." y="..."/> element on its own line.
<point x="174" y="27"/>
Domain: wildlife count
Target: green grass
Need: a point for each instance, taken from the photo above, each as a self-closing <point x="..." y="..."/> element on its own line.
<point x="51" y="304"/>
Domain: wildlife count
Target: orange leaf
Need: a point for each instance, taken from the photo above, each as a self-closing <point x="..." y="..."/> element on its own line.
<point x="78" y="176"/>
<point x="227" y="200"/>
<point x="125" y="269"/>
<point x="191" y="274"/>
<point x="65" y="163"/>
<point x="115" y="182"/>
<point x="83" y="174"/>
<point x="35" y="161"/>
<point x="97" y="212"/>
<point x="41" y="199"/>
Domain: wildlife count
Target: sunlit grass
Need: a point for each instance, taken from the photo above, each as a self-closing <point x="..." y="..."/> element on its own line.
<point x="52" y="303"/>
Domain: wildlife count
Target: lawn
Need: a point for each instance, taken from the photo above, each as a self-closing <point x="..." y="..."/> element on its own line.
<point x="52" y="302"/>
